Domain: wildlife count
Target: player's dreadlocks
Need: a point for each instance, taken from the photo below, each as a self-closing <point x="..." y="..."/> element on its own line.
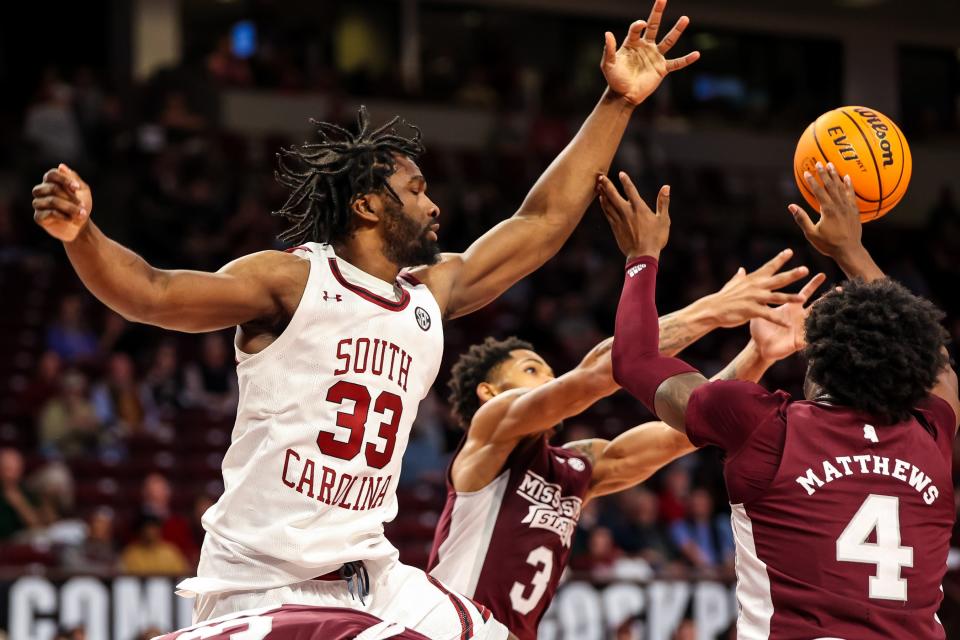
<point x="474" y="367"/>
<point x="875" y="347"/>
<point x="327" y="176"/>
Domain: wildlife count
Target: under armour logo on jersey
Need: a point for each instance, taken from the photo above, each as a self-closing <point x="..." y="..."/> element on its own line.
<point x="423" y="318"/>
<point x="870" y="433"/>
<point x="336" y="296"/>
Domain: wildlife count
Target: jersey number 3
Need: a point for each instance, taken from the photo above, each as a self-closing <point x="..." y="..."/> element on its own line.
<point x="543" y="560"/>
<point x="880" y="513"/>
<point x="356" y="421"/>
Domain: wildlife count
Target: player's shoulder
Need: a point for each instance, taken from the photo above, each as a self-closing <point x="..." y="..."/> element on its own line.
<point x="733" y="390"/>
<point x="271" y="262"/>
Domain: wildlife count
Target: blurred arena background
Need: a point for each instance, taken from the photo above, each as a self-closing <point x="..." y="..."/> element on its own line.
<point x="173" y="110"/>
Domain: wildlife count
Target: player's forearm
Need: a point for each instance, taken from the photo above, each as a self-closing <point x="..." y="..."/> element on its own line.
<point x="561" y="196"/>
<point x="858" y="263"/>
<point x="635" y="455"/>
<point x="637" y="364"/>
<point x="117" y="276"/>
<point x="680" y="329"/>
<point x="748" y="365"/>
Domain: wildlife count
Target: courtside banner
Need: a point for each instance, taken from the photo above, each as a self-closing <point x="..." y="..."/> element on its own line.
<point x="121" y="608"/>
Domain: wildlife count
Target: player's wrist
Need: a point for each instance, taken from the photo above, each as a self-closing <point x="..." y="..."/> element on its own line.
<point x="614" y="97"/>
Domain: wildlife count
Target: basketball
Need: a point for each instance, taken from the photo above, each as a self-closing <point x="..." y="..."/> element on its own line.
<point x="865" y="144"/>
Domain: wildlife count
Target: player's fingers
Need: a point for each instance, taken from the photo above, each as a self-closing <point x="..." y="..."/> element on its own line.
<point x="773" y="265"/>
<point x="61" y="205"/>
<point x="609" y="48"/>
<point x="653" y="22"/>
<point x="674" y="34"/>
<point x="45" y="189"/>
<point x="675" y="64"/>
<point x="787" y="277"/>
<point x="815" y="283"/>
<point x="778" y="297"/>
<point x="834" y="184"/>
<point x="61" y="178"/>
<point x="663" y="201"/>
<point x="48" y="216"/>
<point x="613" y="198"/>
<point x="634" y="34"/>
<point x="802" y="219"/>
<point x="77" y="182"/>
<point x="632" y="194"/>
<point x="817" y="188"/>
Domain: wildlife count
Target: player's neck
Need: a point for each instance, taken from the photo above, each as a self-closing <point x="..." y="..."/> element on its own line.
<point x="366" y="254"/>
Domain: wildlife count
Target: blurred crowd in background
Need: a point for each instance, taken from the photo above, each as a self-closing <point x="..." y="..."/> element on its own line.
<point x="112" y="433"/>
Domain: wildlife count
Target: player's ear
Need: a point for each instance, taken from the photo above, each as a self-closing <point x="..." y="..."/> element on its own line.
<point x="486" y="391"/>
<point x="368" y="207"/>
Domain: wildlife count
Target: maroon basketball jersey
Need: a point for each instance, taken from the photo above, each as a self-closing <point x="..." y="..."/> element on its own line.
<point x="506" y="545"/>
<point x="849" y="539"/>
<point x="296" y="622"/>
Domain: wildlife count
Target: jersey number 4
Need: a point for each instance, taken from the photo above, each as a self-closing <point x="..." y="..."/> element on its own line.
<point x="880" y="513"/>
<point x="356" y="421"/>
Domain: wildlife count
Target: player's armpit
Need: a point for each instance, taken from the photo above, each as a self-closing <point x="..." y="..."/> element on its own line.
<point x="633" y="456"/>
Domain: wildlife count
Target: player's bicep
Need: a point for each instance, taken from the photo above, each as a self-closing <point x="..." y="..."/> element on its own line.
<point x="250" y="288"/>
<point x="672" y="397"/>
<point x="635" y="455"/>
<point x="494" y="262"/>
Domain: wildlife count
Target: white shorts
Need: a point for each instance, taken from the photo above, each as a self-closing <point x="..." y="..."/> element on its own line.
<point x="398" y="593"/>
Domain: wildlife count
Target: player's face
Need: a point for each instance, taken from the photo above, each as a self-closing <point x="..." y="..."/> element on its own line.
<point x="524" y="369"/>
<point x="410" y="226"/>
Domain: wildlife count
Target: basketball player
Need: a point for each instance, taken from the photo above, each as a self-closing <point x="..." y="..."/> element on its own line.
<point x="843" y="502"/>
<point x="513" y="500"/>
<point x="336" y="347"/>
<point x="296" y="622"/>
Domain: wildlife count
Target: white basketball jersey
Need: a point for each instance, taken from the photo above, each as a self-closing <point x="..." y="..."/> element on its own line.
<point x="324" y="417"/>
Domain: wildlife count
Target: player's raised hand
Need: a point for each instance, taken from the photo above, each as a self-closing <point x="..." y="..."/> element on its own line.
<point x="839" y="230"/>
<point x="635" y="70"/>
<point x="777" y="340"/>
<point x="638" y="230"/>
<point x="62" y="203"/>
<point x="748" y="295"/>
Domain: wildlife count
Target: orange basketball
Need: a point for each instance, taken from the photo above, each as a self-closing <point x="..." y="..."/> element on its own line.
<point x="865" y="144"/>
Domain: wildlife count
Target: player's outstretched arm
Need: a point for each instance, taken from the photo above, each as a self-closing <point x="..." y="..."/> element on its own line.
<point x="638" y="453"/>
<point x="554" y="206"/>
<point x="662" y="384"/>
<point x="838" y="234"/>
<point x="264" y="285"/>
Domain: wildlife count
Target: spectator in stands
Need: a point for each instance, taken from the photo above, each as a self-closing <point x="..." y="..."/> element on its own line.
<point x="673" y="498"/>
<point x="69" y="336"/>
<point x="601" y="557"/>
<point x="51" y="125"/>
<point x="117" y="397"/>
<point x="637" y="530"/>
<point x="44" y="385"/>
<point x="149" y="554"/>
<point x="163" y="385"/>
<point x="17" y="513"/>
<point x="212" y="382"/>
<point x="174" y="528"/>
<point x="68" y="423"/>
<point x="704" y="539"/>
<point x="97" y="553"/>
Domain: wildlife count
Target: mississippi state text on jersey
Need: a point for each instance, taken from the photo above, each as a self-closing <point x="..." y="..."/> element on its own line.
<point x="849" y="536"/>
<point x="296" y="622"/>
<point x="324" y="418"/>
<point x="506" y="545"/>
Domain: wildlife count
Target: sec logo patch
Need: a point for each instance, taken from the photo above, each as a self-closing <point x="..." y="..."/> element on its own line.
<point x="576" y="464"/>
<point x="423" y="318"/>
